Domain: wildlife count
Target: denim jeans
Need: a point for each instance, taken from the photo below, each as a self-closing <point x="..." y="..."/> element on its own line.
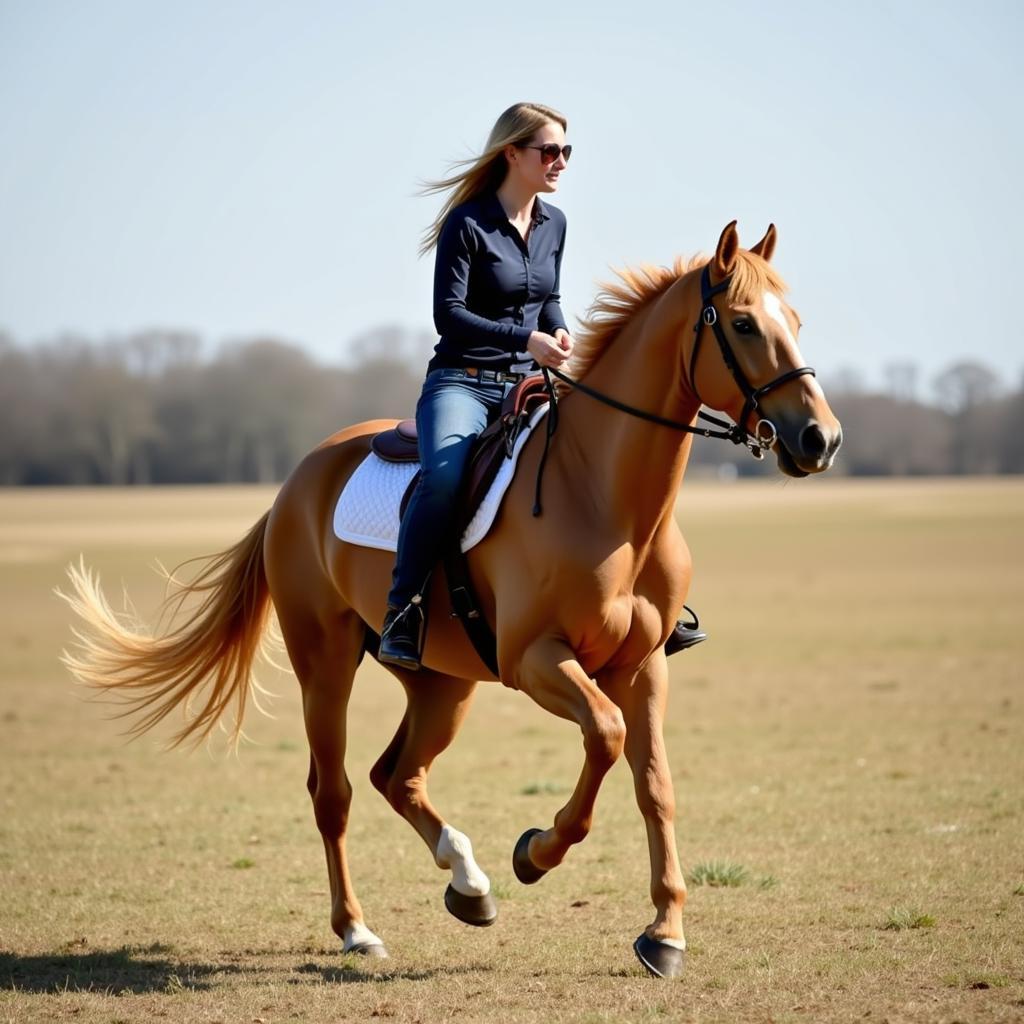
<point x="452" y="410"/>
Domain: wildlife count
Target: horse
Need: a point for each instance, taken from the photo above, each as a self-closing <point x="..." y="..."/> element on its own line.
<point x="581" y="599"/>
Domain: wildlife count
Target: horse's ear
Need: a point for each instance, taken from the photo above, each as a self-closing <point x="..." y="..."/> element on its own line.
<point x="725" y="254"/>
<point x="766" y="246"/>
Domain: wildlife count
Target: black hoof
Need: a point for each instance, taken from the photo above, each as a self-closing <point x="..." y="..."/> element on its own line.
<point x="479" y="911"/>
<point x="370" y="949"/>
<point x="526" y="871"/>
<point x="660" y="959"/>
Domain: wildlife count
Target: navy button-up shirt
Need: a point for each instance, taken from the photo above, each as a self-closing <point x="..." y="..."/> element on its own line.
<point x="492" y="289"/>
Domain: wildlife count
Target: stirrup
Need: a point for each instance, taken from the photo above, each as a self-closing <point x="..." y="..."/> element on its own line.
<point x="685" y="634"/>
<point x="690" y="625"/>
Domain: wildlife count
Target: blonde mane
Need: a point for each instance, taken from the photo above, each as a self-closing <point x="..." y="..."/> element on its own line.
<point x="618" y="302"/>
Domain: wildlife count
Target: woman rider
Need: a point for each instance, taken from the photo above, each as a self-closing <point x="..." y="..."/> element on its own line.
<point x="496" y="308"/>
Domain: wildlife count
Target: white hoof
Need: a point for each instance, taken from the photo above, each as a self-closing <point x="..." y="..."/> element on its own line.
<point x="359" y="939"/>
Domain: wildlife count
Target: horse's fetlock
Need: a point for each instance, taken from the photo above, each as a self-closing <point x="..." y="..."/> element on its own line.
<point x="669" y="893"/>
<point x="574" y="833"/>
<point x="572" y="830"/>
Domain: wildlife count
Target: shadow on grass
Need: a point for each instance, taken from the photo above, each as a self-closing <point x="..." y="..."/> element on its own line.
<point x="137" y="970"/>
<point x="129" y="969"/>
<point x="355" y="973"/>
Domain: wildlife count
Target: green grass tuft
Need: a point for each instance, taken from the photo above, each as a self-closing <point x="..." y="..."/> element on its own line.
<point x="900" y="918"/>
<point x="543" y="788"/>
<point x="718" y="873"/>
<point x="243" y="862"/>
<point x="1019" y="891"/>
<point x="174" y="985"/>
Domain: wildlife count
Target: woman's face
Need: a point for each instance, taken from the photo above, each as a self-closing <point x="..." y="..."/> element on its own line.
<point x="527" y="163"/>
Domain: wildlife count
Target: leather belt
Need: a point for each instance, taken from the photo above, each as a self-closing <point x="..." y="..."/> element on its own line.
<point x="493" y="376"/>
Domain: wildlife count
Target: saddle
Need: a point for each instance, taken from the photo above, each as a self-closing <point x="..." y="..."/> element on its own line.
<point x="491" y="448"/>
<point x="497" y="442"/>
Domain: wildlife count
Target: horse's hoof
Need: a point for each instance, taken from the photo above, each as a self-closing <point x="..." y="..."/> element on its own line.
<point x="376" y="950"/>
<point x="526" y="871"/>
<point x="659" y="958"/>
<point x="479" y="911"/>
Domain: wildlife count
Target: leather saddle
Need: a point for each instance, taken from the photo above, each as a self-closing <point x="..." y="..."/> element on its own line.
<point x="496" y="443"/>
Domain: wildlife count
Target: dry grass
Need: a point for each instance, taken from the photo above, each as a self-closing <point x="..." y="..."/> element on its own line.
<point x="853" y="735"/>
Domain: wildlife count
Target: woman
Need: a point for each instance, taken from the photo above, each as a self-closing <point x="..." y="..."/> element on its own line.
<point x="496" y="309"/>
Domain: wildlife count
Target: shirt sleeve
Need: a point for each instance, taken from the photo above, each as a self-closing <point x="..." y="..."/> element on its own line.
<point x="551" y="316"/>
<point x="452" y="318"/>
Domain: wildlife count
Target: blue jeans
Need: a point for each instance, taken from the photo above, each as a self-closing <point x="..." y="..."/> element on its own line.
<point x="452" y="410"/>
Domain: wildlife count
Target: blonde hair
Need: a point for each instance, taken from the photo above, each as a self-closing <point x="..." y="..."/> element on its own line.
<point x="516" y="125"/>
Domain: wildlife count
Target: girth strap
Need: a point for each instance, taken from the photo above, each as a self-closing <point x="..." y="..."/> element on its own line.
<point x="466" y="605"/>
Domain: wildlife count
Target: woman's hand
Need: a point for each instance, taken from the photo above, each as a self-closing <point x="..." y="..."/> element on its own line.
<point x="550" y="350"/>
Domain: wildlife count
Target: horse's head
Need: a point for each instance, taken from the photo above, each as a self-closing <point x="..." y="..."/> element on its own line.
<point x="744" y="358"/>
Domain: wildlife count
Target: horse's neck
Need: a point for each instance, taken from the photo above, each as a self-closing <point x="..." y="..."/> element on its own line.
<point x="632" y="468"/>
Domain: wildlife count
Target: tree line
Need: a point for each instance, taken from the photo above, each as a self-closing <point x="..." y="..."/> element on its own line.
<point x="152" y="408"/>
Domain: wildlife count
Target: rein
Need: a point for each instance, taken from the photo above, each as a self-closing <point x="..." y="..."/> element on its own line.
<point x="757" y="441"/>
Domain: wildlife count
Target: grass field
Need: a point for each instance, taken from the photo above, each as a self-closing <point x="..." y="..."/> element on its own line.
<point x="849" y="747"/>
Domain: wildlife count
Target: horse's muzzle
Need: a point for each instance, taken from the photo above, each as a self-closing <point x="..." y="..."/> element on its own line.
<point x="811" y="449"/>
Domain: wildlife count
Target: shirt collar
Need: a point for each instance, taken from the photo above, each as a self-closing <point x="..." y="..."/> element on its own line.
<point x="496" y="212"/>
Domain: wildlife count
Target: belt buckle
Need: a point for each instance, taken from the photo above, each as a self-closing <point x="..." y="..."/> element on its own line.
<point x="471" y="371"/>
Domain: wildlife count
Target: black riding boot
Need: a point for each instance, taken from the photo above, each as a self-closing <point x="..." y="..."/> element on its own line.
<point x="685" y="634"/>
<point x="401" y="636"/>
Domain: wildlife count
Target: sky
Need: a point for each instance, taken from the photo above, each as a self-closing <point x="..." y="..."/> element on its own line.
<point x="250" y="168"/>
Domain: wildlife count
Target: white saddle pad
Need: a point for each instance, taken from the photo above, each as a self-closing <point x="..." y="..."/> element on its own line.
<point x="367" y="510"/>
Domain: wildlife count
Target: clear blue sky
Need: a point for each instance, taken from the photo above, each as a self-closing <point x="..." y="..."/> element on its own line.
<point x="244" y="168"/>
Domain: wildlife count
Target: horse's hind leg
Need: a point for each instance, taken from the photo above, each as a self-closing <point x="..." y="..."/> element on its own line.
<point x="325" y="661"/>
<point x="437" y="706"/>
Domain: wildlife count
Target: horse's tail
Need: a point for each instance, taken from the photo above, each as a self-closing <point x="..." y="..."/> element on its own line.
<point x="212" y="650"/>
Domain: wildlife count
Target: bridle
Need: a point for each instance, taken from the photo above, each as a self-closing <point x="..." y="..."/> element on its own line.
<point x="758" y="441"/>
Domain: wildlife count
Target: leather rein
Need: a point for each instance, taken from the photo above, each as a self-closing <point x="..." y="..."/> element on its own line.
<point x="757" y="441"/>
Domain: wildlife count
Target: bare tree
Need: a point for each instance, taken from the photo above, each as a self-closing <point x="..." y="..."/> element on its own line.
<point x="965" y="385"/>
<point x="901" y="381"/>
<point x="967" y="390"/>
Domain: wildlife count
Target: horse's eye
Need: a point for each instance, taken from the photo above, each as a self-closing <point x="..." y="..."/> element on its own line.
<point x="742" y="325"/>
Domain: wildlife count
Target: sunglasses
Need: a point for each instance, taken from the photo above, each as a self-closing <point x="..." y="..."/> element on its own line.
<point x="550" y="151"/>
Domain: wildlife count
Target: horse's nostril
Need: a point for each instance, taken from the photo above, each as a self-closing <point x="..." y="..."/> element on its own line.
<point x="812" y="441"/>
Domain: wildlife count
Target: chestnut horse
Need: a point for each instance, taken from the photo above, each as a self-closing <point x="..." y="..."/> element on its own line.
<point x="581" y="599"/>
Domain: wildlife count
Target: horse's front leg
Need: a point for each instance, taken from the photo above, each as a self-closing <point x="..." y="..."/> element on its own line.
<point x="661" y="946"/>
<point x="550" y="674"/>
